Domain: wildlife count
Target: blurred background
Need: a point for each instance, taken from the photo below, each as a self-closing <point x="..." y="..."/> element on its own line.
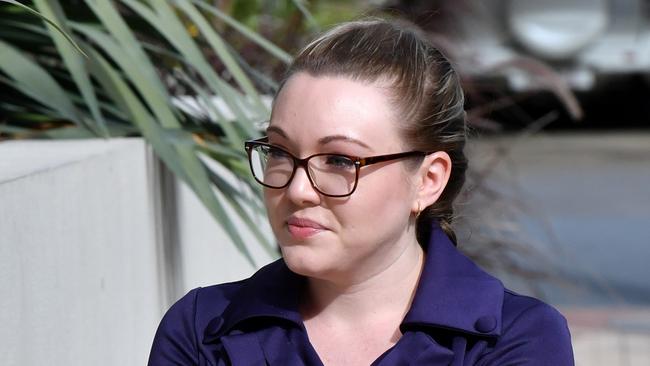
<point x="124" y="184"/>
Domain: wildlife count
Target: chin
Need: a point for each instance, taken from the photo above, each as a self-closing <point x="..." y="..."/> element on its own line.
<point x="305" y="261"/>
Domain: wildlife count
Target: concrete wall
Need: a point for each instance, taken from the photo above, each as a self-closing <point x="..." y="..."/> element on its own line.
<point x="206" y="256"/>
<point x="96" y="241"/>
<point x="78" y="271"/>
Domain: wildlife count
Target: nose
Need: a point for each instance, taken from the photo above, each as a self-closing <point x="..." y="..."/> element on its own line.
<point x="300" y="191"/>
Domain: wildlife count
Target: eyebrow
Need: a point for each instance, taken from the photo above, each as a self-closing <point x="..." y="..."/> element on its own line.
<point x="323" y="140"/>
<point x="276" y="130"/>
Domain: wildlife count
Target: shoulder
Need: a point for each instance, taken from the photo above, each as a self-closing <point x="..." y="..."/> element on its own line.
<point x="179" y="335"/>
<point x="211" y="301"/>
<point x="519" y="309"/>
<point x="201" y="304"/>
<point x="532" y="333"/>
<point x="199" y="316"/>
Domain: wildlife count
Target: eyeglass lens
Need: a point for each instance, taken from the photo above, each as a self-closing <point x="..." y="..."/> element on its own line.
<point x="329" y="173"/>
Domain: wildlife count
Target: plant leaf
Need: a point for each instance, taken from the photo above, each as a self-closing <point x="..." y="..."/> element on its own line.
<point x="74" y="62"/>
<point x="253" y="36"/>
<point x="170" y="27"/>
<point x="305" y="13"/>
<point x="230" y="194"/>
<point x="182" y="160"/>
<point x="220" y="48"/>
<point x="32" y="80"/>
<point x="151" y="90"/>
<point x="34" y="12"/>
<point x="120" y="31"/>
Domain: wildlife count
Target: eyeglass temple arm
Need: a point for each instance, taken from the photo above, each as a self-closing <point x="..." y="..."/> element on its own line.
<point x="381" y="158"/>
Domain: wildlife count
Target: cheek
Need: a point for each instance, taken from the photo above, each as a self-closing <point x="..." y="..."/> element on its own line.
<point x="380" y="199"/>
<point x="389" y="183"/>
<point x="272" y="202"/>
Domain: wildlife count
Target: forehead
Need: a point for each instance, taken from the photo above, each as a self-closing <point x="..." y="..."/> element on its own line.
<point x="310" y="108"/>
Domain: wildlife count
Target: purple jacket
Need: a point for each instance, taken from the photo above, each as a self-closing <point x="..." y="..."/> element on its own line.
<point x="460" y="315"/>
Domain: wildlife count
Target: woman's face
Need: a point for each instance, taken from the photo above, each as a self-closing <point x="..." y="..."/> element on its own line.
<point x="358" y="235"/>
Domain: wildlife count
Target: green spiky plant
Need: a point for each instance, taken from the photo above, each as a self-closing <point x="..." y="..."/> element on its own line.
<point x="95" y="68"/>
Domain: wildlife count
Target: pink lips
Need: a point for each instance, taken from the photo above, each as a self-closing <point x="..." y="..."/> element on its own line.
<point x="301" y="228"/>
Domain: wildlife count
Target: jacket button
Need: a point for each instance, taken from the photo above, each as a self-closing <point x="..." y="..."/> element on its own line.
<point x="211" y="332"/>
<point x="485" y="324"/>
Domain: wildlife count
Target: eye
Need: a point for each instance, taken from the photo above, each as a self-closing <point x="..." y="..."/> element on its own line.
<point x="339" y="162"/>
<point x="276" y="153"/>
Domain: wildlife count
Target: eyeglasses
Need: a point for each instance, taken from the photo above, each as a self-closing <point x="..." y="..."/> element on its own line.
<point x="332" y="175"/>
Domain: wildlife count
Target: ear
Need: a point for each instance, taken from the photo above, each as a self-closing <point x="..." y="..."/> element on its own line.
<point x="432" y="178"/>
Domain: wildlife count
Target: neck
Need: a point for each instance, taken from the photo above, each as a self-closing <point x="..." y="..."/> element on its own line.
<point x="387" y="293"/>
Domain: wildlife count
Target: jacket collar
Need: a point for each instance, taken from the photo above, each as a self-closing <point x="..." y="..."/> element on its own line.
<point x="453" y="293"/>
<point x="272" y="292"/>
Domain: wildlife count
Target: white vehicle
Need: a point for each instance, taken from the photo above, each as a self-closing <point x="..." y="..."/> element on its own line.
<point x="586" y="41"/>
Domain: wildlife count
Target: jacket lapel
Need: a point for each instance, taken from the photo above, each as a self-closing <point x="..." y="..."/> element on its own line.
<point x="454" y="293"/>
<point x="243" y="349"/>
<point x="267" y="346"/>
<point x="258" y="325"/>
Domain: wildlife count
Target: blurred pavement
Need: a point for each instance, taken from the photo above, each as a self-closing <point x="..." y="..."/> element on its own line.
<point x="583" y="199"/>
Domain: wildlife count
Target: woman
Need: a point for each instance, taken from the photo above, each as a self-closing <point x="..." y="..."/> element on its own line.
<point x="361" y="163"/>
